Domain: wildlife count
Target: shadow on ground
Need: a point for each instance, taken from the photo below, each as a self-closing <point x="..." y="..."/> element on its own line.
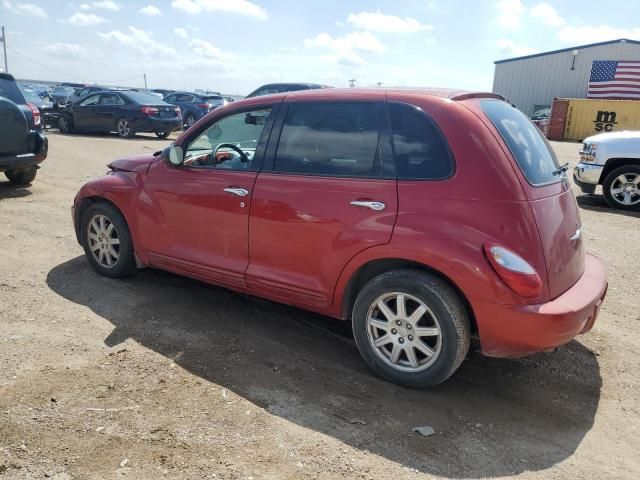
<point x="114" y="136"/>
<point x="9" y="190"/>
<point x="493" y="417"/>
<point x="596" y="203"/>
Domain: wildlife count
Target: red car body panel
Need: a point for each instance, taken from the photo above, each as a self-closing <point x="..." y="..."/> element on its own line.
<point x="297" y="240"/>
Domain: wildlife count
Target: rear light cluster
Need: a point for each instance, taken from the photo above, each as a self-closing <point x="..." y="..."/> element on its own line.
<point x="204" y="106"/>
<point x="36" y="114"/>
<point x="149" y="110"/>
<point x="514" y="271"/>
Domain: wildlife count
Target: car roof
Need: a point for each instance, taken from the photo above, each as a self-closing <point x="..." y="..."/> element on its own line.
<point x="314" y="94"/>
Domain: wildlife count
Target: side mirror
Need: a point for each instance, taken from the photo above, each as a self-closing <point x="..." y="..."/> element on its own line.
<point x="174" y="155"/>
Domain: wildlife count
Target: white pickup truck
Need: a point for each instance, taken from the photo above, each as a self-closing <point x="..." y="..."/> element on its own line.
<point x="613" y="161"/>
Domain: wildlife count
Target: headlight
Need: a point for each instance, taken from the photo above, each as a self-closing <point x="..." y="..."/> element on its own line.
<point x="588" y="152"/>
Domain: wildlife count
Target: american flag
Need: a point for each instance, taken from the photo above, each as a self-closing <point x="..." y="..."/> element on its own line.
<point x="613" y="79"/>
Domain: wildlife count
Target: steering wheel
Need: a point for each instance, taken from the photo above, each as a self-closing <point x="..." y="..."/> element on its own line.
<point x="243" y="156"/>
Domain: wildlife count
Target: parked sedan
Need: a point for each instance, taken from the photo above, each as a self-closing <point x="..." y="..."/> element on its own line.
<point x="60" y="96"/>
<point x="194" y="106"/>
<point x="125" y="112"/>
<point x="44" y="105"/>
<point x="419" y="216"/>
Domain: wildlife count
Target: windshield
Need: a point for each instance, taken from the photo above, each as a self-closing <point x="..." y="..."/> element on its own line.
<point x="9" y="89"/>
<point x="145" y="98"/>
<point x="528" y="146"/>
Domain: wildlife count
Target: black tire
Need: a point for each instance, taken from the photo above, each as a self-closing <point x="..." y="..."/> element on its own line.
<point x="611" y="181"/>
<point x="447" y="307"/>
<point x="124" y="128"/>
<point x="65" y="124"/>
<point x="162" y="134"/>
<point x="189" y="120"/>
<point x="125" y="265"/>
<point x="22" y="177"/>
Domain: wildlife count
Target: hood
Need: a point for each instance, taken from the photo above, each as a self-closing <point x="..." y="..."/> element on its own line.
<point x="603" y="137"/>
<point x="135" y="163"/>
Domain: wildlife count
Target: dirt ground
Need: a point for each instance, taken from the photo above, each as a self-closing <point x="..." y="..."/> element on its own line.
<point x="163" y="377"/>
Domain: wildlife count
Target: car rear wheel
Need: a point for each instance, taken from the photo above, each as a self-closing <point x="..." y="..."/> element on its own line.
<point x="189" y="120"/>
<point x="22" y="177"/>
<point x="621" y="188"/>
<point x="64" y="124"/>
<point x="124" y="129"/>
<point x="411" y="328"/>
<point x="107" y="241"/>
<point x="162" y="134"/>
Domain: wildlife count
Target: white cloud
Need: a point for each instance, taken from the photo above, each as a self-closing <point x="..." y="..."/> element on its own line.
<point x="592" y="33"/>
<point x="361" y="41"/>
<point x="80" y="19"/>
<point x="150" y="10"/>
<point x="84" y="6"/>
<point x="106" y="5"/>
<point x="66" y="49"/>
<point x="242" y="7"/>
<point x="510" y="14"/>
<point x="180" y="32"/>
<point x="548" y="15"/>
<point x="138" y="40"/>
<point x="24" y="9"/>
<point x="509" y="47"/>
<point x="380" y="22"/>
<point x="202" y="48"/>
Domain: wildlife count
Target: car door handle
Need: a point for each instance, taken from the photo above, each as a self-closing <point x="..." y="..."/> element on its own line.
<point x="241" y="192"/>
<point x="377" y="206"/>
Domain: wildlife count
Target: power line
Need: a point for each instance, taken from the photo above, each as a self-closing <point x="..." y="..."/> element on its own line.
<point x="67" y="74"/>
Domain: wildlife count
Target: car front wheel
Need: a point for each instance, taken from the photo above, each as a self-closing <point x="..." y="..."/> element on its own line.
<point x="64" y="124"/>
<point x="162" y="134"/>
<point x="189" y="120"/>
<point x="107" y="241"/>
<point x="621" y="188"/>
<point x="411" y="328"/>
<point x="124" y="129"/>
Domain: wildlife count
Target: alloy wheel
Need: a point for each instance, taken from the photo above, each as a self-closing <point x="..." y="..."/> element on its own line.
<point x="104" y="242"/>
<point x="124" y="130"/>
<point x="625" y="189"/>
<point x="404" y="332"/>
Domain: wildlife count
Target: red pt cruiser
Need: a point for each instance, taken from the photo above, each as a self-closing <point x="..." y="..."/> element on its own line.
<point x="424" y="217"/>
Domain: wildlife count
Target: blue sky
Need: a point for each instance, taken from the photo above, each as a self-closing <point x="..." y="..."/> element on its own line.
<point x="236" y="45"/>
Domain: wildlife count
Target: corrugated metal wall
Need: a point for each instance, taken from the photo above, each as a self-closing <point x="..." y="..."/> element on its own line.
<point x="538" y="80"/>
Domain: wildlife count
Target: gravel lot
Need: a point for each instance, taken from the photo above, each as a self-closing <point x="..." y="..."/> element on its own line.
<point x="163" y="377"/>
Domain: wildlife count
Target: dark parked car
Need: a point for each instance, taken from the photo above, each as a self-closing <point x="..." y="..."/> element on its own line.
<point x="162" y="91"/>
<point x="284" y="87"/>
<point x="125" y="112"/>
<point x="420" y="216"/>
<point x="44" y="105"/>
<point x="83" y="92"/>
<point x="60" y="96"/>
<point x="23" y="144"/>
<point x="194" y="106"/>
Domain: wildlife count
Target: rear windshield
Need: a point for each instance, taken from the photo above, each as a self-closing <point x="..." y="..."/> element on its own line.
<point x="10" y="90"/>
<point x="527" y="144"/>
<point x="145" y="98"/>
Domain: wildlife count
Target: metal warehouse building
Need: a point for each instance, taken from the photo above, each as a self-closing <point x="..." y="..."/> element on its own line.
<point x="533" y="81"/>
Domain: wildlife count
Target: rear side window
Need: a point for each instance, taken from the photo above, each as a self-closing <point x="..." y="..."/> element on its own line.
<point x="9" y="89"/>
<point x="334" y="139"/>
<point x="527" y="144"/>
<point x="420" y="149"/>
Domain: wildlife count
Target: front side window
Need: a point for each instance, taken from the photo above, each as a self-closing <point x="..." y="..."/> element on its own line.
<point x="420" y="149"/>
<point x="230" y="143"/>
<point x="528" y="146"/>
<point x="92" y="100"/>
<point x="334" y="139"/>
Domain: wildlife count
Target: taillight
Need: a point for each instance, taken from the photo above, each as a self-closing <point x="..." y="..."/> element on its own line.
<point x="178" y="112"/>
<point x="36" y="114"/>
<point x="514" y="271"/>
<point x="149" y="110"/>
<point x="204" y="106"/>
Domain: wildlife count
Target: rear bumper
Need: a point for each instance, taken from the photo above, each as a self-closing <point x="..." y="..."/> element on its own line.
<point x="157" y="125"/>
<point x="24" y="161"/>
<point x="516" y="331"/>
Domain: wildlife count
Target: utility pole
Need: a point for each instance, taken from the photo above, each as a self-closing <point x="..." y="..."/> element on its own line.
<point x="352" y="82"/>
<point x="4" y="45"/>
<point x="145" y="81"/>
